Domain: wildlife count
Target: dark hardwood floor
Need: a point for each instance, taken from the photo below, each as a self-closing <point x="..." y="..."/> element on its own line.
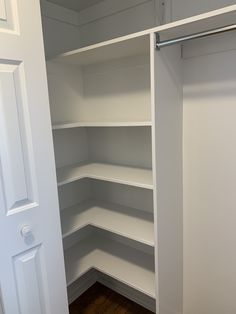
<point x="101" y="300"/>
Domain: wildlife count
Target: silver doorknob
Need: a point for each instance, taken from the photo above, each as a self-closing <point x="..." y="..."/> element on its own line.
<point x="26" y="231"/>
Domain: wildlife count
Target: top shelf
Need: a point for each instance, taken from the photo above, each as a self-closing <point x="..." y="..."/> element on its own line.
<point x="110" y="50"/>
<point x="198" y="23"/>
<point x="139" y="43"/>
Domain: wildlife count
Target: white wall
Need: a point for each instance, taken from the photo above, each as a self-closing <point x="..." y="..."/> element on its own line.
<point x="185" y="8"/>
<point x="65" y="30"/>
<point x="114" y="18"/>
<point x="60" y="29"/>
<point x="210" y="176"/>
<point x="209" y="167"/>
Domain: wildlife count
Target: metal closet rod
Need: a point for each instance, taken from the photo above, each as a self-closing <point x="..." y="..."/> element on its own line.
<point x="161" y="44"/>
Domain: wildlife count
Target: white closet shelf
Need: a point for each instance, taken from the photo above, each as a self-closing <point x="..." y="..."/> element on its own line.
<point x="138" y="43"/>
<point x="61" y="126"/>
<point x="130" y="266"/>
<point x="198" y="23"/>
<point x="118" y="174"/>
<point x="110" y="50"/>
<point x="127" y="222"/>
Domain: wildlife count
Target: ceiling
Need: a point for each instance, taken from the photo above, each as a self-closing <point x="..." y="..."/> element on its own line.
<point x="76" y="5"/>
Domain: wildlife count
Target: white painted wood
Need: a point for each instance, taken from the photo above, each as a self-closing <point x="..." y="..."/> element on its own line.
<point x="105" y="145"/>
<point x="130" y="266"/>
<point x="27" y="268"/>
<point x="168" y="185"/>
<point x="65" y="93"/>
<point x="1" y="303"/>
<point x="109" y="237"/>
<point x="89" y="77"/>
<point x="18" y="176"/>
<point x="198" y="23"/>
<point x="90" y="93"/>
<point x="128" y="222"/>
<point x="32" y="267"/>
<point x="109" y="145"/>
<point x="63" y="35"/>
<point x="65" y="29"/>
<point x="9" y="20"/>
<point x="75" y="193"/>
<point x="3" y="13"/>
<point x="78" y="287"/>
<point x="113" y="49"/>
<point x="70" y="147"/>
<point x="210" y="20"/>
<point x="108" y="192"/>
<point x="107" y="172"/>
<point x="100" y="124"/>
<point x="118" y="90"/>
<point x="127" y="196"/>
<point x="92" y="276"/>
<point x="128" y="292"/>
<point x="105" y="20"/>
<point x="209" y="181"/>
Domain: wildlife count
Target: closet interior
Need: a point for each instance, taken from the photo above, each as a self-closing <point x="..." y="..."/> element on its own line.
<point x="116" y="110"/>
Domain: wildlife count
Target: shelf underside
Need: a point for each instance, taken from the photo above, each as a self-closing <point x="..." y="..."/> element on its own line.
<point x="130" y="266"/>
<point x="124" y="221"/>
<point x="112" y="173"/>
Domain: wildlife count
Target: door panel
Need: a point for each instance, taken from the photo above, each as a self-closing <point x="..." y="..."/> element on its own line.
<point x="30" y="282"/>
<point x="18" y="174"/>
<point x="8" y="16"/>
<point x="32" y="275"/>
<point x="3" y="13"/>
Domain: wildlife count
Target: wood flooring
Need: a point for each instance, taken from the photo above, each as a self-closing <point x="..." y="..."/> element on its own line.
<point x="101" y="300"/>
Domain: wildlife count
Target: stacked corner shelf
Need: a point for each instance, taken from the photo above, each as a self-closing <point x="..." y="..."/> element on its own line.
<point x="112" y="104"/>
<point x="103" y="152"/>
<point x="107" y="172"/>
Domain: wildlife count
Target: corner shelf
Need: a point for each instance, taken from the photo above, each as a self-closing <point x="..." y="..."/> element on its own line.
<point x="121" y="220"/>
<point x="61" y="126"/>
<point x="129" y="266"/>
<point x="138" y="43"/>
<point x="119" y="174"/>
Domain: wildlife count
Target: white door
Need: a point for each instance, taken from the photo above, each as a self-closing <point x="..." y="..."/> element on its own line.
<point x="32" y="276"/>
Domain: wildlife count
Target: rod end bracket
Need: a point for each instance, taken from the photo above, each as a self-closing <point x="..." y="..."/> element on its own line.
<point x="157" y="41"/>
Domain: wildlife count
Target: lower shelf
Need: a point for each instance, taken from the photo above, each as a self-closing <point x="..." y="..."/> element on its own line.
<point x="128" y="222"/>
<point x="130" y="266"/>
<point x="70" y="125"/>
<point x="119" y="174"/>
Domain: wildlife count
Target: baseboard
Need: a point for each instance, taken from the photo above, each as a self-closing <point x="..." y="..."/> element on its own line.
<point x="81" y="285"/>
<point x="128" y="292"/>
<point x="87" y="280"/>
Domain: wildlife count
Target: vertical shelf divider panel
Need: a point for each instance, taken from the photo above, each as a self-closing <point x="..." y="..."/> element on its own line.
<point x="167" y="114"/>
